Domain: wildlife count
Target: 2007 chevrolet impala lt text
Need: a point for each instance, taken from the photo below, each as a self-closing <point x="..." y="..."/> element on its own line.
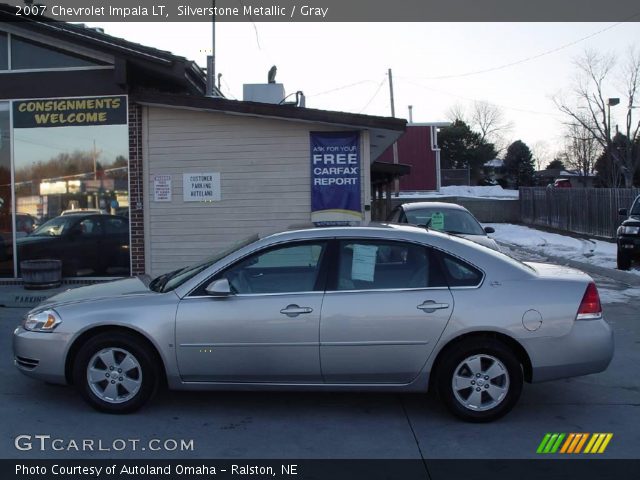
<point x="379" y="307"/>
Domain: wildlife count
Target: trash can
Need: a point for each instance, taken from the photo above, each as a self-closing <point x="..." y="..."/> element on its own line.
<point x="41" y="274"/>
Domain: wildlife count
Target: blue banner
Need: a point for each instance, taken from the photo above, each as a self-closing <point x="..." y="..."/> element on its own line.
<point x="335" y="177"/>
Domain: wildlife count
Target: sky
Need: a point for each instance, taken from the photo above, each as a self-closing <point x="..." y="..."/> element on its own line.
<point x="343" y="66"/>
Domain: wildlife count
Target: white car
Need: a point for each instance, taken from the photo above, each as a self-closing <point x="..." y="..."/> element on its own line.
<point x="445" y="217"/>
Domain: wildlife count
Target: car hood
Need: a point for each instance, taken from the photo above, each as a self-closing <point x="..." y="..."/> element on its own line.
<point x="100" y="291"/>
<point x="29" y="240"/>
<point x="632" y="221"/>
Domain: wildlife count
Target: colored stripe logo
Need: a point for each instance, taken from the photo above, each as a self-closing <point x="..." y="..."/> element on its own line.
<point x="574" y="443"/>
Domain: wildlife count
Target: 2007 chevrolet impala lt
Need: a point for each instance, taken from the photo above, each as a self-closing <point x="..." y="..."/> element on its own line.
<point x="386" y="307"/>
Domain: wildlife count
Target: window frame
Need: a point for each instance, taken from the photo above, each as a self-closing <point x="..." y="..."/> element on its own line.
<point x="321" y="279"/>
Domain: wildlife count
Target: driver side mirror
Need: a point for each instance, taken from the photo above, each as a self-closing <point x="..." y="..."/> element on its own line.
<point x="623" y="212"/>
<point x="489" y="230"/>
<point x="219" y="288"/>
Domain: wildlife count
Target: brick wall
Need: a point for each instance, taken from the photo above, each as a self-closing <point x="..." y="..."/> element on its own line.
<point x="136" y="196"/>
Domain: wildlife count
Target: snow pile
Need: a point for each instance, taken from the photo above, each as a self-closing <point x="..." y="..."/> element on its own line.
<point x="492" y="191"/>
<point x="595" y="252"/>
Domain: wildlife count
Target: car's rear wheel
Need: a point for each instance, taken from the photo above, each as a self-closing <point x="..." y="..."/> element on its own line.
<point x="115" y="372"/>
<point x="479" y="379"/>
<point x="623" y="260"/>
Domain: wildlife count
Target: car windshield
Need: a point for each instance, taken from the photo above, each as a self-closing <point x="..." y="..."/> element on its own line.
<point x="54" y="227"/>
<point x="635" y="210"/>
<point x="172" y="280"/>
<point x="446" y="220"/>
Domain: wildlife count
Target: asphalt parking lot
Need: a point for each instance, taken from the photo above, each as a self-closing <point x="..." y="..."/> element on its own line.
<point x="328" y="425"/>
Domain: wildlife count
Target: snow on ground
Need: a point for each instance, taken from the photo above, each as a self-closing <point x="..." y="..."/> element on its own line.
<point x="595" y="252"/>
<point x="539" y="244"/>
<point x="465" y="191"/>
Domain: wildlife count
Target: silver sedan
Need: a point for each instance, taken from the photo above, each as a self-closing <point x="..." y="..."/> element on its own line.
<point x="387" y="308"/>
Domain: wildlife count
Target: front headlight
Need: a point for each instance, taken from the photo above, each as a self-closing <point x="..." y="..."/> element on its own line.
<point x="629" y="230"/>
<point x="44" y="321"/>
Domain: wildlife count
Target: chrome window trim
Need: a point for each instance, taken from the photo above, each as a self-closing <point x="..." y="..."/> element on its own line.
<point x="242" y="295"/>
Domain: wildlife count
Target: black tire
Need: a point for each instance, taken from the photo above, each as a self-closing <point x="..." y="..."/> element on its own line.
<point x="481" y="349"/>
<point x="145" y="372"/>
<point x="623" y="260"/>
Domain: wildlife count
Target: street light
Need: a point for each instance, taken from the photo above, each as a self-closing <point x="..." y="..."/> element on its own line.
<point x="611" y="102"/>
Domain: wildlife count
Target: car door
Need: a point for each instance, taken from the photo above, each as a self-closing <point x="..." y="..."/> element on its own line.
<point x="267" y="330"/>
<point x="383" y="312"/>
<point x="81" y="249"/>
<point x="116" y="245"/>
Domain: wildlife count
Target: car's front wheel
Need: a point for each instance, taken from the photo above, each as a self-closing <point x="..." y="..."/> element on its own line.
<point x="479" y="379"/>
<point x="623" y="260"/>
<point x="115" y="372"/>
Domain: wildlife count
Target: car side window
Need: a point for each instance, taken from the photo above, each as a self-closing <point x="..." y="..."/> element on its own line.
<point x="90" y="227"/>
<point x="286" y="269"/>
<point x="115" y="226"/>
<point x="460" y="273"/>
<point x="374" y="265"/>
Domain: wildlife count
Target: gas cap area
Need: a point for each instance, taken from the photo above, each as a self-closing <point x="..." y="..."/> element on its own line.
<point x="532" y="320"/>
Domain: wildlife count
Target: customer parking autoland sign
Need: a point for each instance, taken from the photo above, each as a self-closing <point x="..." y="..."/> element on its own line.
<point x="335" y="177"/>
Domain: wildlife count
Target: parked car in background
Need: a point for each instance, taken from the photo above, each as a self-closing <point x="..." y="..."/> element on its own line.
<point x="84" y="211"/>
<point x="342" y="308"/>
<point x="628" y="236"/>
<point x="87" y="244"/>
<point x="562" y="183"/>
<point x="445" y="217"/>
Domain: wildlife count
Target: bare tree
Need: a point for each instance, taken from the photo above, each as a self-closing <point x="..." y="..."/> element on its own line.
<point x="582" y="150"/>
<point x="490" y="121"/>
<point x="457" y="112"/>
<point x="541" y="154"/>
<point x="591" y="106"/>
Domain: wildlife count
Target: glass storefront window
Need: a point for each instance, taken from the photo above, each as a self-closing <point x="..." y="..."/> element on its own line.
<point x="26" y="54"/>
<point x="6" y="220"/>
<point x="71" y="178"/>
<point x="4" y="52"/>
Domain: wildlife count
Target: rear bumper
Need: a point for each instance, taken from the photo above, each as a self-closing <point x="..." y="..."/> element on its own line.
<point x="40" y="355"/>
<point x="588" y="348"/>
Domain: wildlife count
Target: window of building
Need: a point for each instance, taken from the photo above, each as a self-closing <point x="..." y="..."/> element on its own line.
<point x="4" y="52"/>
<point x="6" y="220"/>
<point x="71" y="173"/>
<point x="26" y="54"/>
<point x="375" y="265"/>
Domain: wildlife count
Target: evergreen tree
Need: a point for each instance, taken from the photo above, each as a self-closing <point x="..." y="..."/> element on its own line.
<point x="519" y="165"/>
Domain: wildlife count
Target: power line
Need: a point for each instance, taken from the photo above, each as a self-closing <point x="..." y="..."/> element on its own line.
<point x="530" y="58"/>
<point x="375" y="94"/>
<point x="477" y="100"/>
<point x="343" y="87"/>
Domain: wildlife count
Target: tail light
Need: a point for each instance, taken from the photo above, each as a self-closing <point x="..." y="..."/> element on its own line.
<point x="590" y="308"/>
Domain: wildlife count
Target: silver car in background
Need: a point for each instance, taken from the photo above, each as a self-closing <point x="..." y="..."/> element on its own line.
<point x="380" y="308"/>
<point x="444" y="217"/>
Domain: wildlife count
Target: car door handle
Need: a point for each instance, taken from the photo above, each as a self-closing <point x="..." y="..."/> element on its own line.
<point x="294" y="310"/>
<point x="430" y="306"/>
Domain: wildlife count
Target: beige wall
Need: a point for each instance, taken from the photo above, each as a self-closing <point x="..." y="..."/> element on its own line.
<point x="265" y="180"/>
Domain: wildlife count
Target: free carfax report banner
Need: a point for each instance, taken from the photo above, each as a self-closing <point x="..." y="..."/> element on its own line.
<point x="335" y="177"/>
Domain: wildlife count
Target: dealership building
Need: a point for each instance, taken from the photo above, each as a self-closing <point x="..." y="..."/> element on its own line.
<point x="124" y="134"/>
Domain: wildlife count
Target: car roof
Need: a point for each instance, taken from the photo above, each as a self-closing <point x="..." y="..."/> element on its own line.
<point x="441" y="205"/>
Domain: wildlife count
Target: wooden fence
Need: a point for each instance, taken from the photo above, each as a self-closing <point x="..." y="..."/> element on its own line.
<point x="589" y="211"/>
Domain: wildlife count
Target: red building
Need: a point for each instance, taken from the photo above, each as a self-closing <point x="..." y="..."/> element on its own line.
<point x="418" y="147"/>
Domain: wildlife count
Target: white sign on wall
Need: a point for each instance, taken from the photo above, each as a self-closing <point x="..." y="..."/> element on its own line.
<point x="201" y="187"/>
<point x="162" y="188"/>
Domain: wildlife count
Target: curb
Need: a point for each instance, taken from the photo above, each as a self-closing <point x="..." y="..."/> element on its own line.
<point x="627" y="278"/>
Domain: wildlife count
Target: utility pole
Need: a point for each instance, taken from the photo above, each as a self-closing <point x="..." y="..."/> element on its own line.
<point x="211" y="59"/>
<point x="410" y="113"/>
<point x="396" y="182"/>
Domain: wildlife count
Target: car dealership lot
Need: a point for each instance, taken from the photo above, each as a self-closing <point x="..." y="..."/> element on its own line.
<point x="324" y="425"/>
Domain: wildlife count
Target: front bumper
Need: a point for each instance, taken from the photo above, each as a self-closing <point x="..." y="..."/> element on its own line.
<point x="40" y="355"/>
<point x="587" y="348"/>
<point x="629" y="244"/>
